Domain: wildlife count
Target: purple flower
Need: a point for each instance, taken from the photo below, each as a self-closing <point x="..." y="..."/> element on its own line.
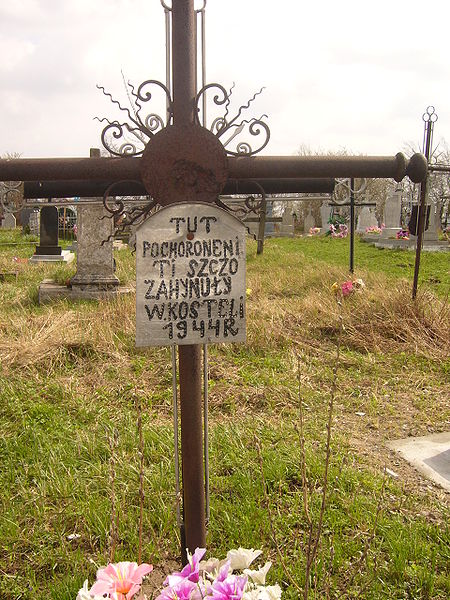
<point x="231" y="588"/>
<point x="183" y="590"/>
<point x="190" y="571"/>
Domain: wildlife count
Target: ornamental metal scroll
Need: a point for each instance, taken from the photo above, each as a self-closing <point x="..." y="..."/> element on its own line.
<point x="346" y="185"/>
<point x="129" y="138"/>
<point x="124" y="216"/>
<point x="232" y="130"/>
<point x="11" y="196"/>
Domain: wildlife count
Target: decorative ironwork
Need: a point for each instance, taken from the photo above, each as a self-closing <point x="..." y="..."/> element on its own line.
<point x="124" y="216"/>
<point x="346" y="185"/>
<point x="234" y="127"/>
<point x="11" y="198"/>
<point x="429" y="118"/>
<point x="130" y="138"/>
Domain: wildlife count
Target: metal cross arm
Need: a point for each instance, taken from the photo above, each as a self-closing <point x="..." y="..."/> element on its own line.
<point x="239" y="168"/>
<point x="96" y="188"/>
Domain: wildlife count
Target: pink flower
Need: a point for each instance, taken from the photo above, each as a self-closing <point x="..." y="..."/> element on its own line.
<point x="190" y="571"/>
<point x="183" y="590"/>
<point x="121" y="580"/>
<point x="347" y="288"/>
<point x="231" y="588"/>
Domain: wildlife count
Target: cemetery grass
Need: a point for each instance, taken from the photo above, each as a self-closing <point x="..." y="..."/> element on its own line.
<point x="70" y="376"/>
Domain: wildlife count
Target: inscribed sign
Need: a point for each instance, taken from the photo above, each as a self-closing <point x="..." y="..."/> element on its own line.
<point x="190" y="276"/>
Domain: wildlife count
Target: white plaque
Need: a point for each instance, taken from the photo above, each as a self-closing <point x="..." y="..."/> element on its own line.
<point x="190" y="276"/>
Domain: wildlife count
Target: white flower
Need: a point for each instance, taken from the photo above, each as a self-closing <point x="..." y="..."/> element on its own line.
<point x="270" y="592"/>
<point x="259" y="576"/>
<point x="251" y="595"/>
<point x="211" y="567"/>
<point x="242" y="558"/>
<point x="83" y="593"/>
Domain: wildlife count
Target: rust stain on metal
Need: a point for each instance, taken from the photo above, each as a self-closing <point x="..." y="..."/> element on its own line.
<point x="184" y="164"/>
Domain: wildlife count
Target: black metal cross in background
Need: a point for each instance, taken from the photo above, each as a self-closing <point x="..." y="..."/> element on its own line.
<point x="185" y="161"/>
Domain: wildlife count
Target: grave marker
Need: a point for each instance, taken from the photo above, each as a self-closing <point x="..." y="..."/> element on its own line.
<point x="190" y="277"/>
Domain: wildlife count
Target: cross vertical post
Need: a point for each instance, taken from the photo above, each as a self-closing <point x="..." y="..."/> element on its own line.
<point x="190" y="356"/>
<point x="352" y="224"/>
<point x="429" y="117"/>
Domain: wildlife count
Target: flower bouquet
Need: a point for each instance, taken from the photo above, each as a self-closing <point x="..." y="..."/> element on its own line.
<point x="348" y="287"/>
<point x="374" y="229"/>
<point x="228" y="579"/>
<point x="403" y="234"/>
<point x="314" y="231"/>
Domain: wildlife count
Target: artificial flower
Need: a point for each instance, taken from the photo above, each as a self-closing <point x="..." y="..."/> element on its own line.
<point x="270" y="592"/>
<point x="242" y="558"/>
<point x="231" y="588"/>
<point x="314" y="230"/>
<point x="121" y="580"/>
<point x="347" y="288"/>
<point x="182" y="590"/>
<point x="190" y="571"/>
<point x="259" y="576"/>
<point x="84" y="594"/>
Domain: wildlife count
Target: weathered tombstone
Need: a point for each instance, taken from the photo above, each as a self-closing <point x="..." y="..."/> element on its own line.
<point x="392" y="214"/>
<point x="34" y="222"/>
<point x="9" y="221"/>
<point x="325" y="213"/>
<point x="48" y="249"/>
<point x="269" y="229"/>
<point x="287" y="223"/>
<point x="190" y="277"/>
<point x="366" y="219"/>
<point x="95" y="262"/>
<point x="431" y="233"/>
<point x="309" y="221"/>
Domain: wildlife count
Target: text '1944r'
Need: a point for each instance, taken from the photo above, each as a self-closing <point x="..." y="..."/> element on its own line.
<point x="190" y="277"/>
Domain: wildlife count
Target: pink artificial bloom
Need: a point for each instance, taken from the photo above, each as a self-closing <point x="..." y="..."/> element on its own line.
<point x="190" y="571"/>
<point x="183" y="590"/>
<point x="232" y="588"/>
<point x="121" y="580"/>
<point x="347" y="288"/>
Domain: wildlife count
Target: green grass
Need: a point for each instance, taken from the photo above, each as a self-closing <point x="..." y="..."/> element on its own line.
<point x="70" y="376"/>
<point x="396" y="264"/>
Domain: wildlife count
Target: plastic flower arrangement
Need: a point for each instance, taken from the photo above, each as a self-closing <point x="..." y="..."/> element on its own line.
<point x="337" y="227"/>
<point x="314" y="231"/>
<point x="403" y="234"/>
<point x="374" y="229"/>
<point x="348" y="287"/>
<point x="228" y="579"/>
<point x="338" y="231"/>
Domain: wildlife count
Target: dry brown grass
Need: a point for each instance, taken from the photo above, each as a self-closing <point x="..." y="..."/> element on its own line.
<point x="382" y="318"/>
<point x="47" y="338"/>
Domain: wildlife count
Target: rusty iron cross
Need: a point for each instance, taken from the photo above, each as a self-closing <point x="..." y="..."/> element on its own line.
<point x="187" y="162"/>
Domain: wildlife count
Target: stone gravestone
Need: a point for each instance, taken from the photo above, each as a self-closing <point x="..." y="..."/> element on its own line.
<point x="190" y="276"/>
<point x="366" y="219"/>
<point x="34" y="222"/>
<point x="325" y="213"/>
<point x="309" y="221"/>
<point x="392" y="214"/>
<point x="287" y="223"/>
<point x="9" y="221"/>
<point x="48" y="249"/>
<point x="431" y="234"/>
<point x="95" y="261"/>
